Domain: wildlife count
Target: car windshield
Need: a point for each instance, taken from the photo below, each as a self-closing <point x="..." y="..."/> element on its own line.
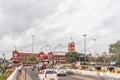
<point x="50" y="72"/>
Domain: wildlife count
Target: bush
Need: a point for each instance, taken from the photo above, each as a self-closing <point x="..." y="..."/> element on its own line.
<point x="4" y="76"/>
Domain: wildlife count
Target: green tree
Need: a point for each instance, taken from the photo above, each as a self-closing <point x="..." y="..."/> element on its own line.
<point x="2" y="70"/>
<point x="32" y="58"/>
<point x="72" y="56"/>
<point x="101" y="59"/>
<point x="22" y="59"/>
<point x="115" y="50"/>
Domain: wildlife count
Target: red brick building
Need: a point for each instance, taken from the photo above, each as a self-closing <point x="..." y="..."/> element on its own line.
<point x="41" y="56"/>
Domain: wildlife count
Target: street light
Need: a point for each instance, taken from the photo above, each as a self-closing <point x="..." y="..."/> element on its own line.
<point x="3" y="60"/>
<point x="25" y="58"/>
<point x="94" y="46"/>
<point x="84" y="35"/>
<point x="33" y="42"/>
<point x="96" y="55"/>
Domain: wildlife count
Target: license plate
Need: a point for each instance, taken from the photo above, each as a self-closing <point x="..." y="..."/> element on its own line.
<point x="51" y="78"/>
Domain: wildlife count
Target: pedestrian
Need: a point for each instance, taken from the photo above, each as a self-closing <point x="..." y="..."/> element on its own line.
<point x="20" y="68"/>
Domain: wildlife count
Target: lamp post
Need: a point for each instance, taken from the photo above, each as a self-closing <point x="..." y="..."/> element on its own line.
<point x="96" y="55"/>
<point x="25" y="58"/>
<point x="84" y="35"/>
<point x="4" y="59"/>
<point x="94" y="46"/>
<point x="33" y="43"/>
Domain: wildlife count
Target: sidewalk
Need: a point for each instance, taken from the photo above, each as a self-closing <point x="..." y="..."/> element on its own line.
<point x="22" y="76"/>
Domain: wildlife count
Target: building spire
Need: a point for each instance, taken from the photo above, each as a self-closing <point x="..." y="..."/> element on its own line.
<point x="15" y="47"/>
<point x="71" y="40"/>
<point x="71" y="45"/>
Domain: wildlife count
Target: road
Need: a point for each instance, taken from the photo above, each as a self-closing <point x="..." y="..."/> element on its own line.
<point x="74" y="77"/>
<point x="34" y="76"/>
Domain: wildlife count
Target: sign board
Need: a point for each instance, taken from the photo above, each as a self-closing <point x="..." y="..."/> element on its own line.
<point x="82" y="57"/>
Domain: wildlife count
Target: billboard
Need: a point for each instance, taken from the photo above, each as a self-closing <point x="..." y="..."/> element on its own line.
<point x="82" y="57"/>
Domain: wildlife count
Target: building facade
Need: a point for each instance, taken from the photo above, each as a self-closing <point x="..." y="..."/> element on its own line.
<point x="41" y="56"/>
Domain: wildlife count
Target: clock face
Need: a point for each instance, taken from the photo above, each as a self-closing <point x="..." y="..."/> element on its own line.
<point x="41" y="56"/>
<point x="15" y="54"/>
<point x="71" y="48"/>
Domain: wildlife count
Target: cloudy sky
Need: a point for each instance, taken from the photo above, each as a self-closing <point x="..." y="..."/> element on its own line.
<point x="53" y="22"/>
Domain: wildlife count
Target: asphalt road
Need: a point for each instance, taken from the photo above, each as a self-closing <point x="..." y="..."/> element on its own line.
<point x="75" y="77"/>
<point x="69" y="77"/>
<point x="34" y="76"/>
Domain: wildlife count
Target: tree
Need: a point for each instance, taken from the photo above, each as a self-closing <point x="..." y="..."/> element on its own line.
<point x="101" y="59"/>
<point x="72" y="56"/>
<point x="32" y="58"/>
<point x="115" y="50"/>
<point x="22" y="59"/>
<point x="2" y="70"/>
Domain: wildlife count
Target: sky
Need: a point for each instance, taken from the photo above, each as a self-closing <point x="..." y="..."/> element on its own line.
<point x="54" y="22"/>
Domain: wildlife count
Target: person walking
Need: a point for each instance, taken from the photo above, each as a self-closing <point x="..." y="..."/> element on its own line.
<point x="20" y="68"/>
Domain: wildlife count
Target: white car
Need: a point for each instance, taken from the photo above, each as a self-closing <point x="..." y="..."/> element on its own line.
<point x="61" y="70"/>
<point x="48" y="74"/>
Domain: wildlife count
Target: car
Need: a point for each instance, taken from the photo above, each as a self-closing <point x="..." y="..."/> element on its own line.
<point x="48" y="74"/>
<point x="61" y="70"/>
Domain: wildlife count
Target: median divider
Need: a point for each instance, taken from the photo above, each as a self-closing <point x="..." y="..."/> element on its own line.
<point x="105" y="75"/>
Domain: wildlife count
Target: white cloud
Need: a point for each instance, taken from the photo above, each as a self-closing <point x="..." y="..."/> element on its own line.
<point x="55" y="21"/>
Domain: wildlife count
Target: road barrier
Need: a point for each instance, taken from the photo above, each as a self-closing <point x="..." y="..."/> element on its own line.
<point x="13" y="75"/>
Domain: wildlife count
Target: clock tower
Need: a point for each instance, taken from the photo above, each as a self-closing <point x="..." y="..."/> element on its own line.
<point x="71" y="45"/>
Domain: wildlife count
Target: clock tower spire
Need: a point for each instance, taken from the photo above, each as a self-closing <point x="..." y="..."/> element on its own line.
<point x="71" y="45"/>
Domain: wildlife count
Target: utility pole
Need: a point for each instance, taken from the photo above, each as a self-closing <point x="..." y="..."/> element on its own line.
<point x="94" y="47"/>
<point x="4" y="60"/>
<point x="84" y="35"/>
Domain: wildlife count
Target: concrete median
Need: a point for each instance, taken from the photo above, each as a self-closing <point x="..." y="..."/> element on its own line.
<point x="95" y="74"/>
